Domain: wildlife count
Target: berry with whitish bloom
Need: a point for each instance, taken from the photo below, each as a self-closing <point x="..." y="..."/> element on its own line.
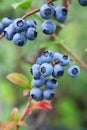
<point x="48" y="94"/>
<point x="46" y="69"/>
<point x="6" y="21"/>
<point x="9" y="32"/>
<point x="36" y="94"/>
<point x="35" y="70"/>
<point x="20" y="25"/>
<point x="83" y="2"/>
<point x="64" y="60"/>
<point x="60" y="13"/>
<point x="31" y="23"/>
<point x="46" y="11"/>
<point x="1" y="28"/>
<point x="19" y="39"/>
<point x="39" y="60"/>
<point x="48" y="27"/>
<point x="47" y="56"/>
<point x="31" y="33"/>
<point x="38" y="82"/>
<point x="58" y="71"/>
<point x="73" y="71"/>
<point x="51" y="83"/>
<point x="57" y="56"/>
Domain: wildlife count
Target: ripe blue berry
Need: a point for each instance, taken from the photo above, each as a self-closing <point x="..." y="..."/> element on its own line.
<point x="1" y="28"/>
<point x="57" y="56"/>
<point x="31" y="23"/>
<point x="64" y="60"/>
<point x="73" y="71"/>
<point x="20" y="25"/>
<point x="39" y="60"/>
<point x="46" y="11"/>
<point x="47" y="56"/>
<point x="19" y="39"/>
<point x="48" y="27"/>
<point x="83" y="2"/>
<point x="46" y="69"/>
<point x="38" y="82"/>
<point x="36" y="94"/>
<point x="60" y="13"/>
<point x="35" y="70"/>
<point x="31" y="33"/>
<point x="9" y="32"/>
<point x="51" y="83"/>
<point x="58" y="71"/>
<point x="6" y="21"/>
<point x="48" y="94"/>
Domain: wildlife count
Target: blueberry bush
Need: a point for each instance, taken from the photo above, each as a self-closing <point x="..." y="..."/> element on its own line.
<point x="45" y="64"/>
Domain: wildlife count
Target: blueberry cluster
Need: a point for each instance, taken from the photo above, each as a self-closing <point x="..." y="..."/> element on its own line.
<point x="48" y="68"/>
<point x="83" y="2"/>
<point x="18" y="30"/>
<point x="48" y="11"/>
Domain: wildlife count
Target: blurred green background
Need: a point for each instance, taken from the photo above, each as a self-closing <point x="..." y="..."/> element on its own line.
<point x="70" y="103"/>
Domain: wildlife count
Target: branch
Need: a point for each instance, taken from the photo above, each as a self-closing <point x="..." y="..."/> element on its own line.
<point x="82" y="64"/>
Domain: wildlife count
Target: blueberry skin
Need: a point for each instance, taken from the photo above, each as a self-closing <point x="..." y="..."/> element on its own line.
<point x="83" y="2"/>
<point x="64" y="60"/>
<point x="31" y="33"/>
<point x="31" y="23"/>
<point x="73" y="71"/>
<point x="48" y="27"/>
<point x="35" y="70"/>
<point x="46" y="69"/>
<point x="60" y="13"/>
<point x="36" y="94"/>
<point x="38" y="82"/>
<point x="48" y="94"/>
<point x="20" y="25"/>
<point x="57" y="56"/>
<point x="19" y="39"/>
<point x="39" y="60"/>
<point x="51" y="83"/>
<point x="58" y="71"/>
<point x="1" y="28"/>
<point x="9" y="32"/>
<point x="6" y="21"/>
<point x="46" y="11"/>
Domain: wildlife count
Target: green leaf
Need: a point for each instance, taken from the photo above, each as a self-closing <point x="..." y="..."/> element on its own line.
<point x="86" y="50"/>
<point x="24" y="5"/>
<point x="47" y="44"/>
<point x="18" y="79"/>
<point x="15" y="115"/>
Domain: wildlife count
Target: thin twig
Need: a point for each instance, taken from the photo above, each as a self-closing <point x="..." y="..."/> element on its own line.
<point x="82" y="64"/>
<point x="67" y="4"/>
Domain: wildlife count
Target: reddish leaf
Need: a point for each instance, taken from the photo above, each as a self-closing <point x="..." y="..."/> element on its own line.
<point x="18" y="79"/>
<point x="44" y="105"/>
<point x="22" y="123"/>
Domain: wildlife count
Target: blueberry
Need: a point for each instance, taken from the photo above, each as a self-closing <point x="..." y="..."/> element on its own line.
<point x="73" y="71"/>
<point x="31" y="33"/>
<point x="60" y="13"/>
<point x="31" y="23"/>
<point x="36" y="94"/>
<point x="19" y="39"/>
<point x="48" y="94"/>
<point x="57" y="56"/>
<point x="47" y="56"/>
<point x="7" y="21"/>
<point x="58" y="71"/>
<point x="51" y="83"/>
<point x="1" y="28"/>
<point x="9" y="32"/>
<point x="46" y="69"/>
<point x="35" y="70"/>
<point x="20" y="25"/>
<point x="39" y="60"/>
<point x="46" y="11"/>
<point x="48" y="27"/>
<point x="38" y="82"/>
<point x="64" y="60"/>
<point x="83" y="2"/>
